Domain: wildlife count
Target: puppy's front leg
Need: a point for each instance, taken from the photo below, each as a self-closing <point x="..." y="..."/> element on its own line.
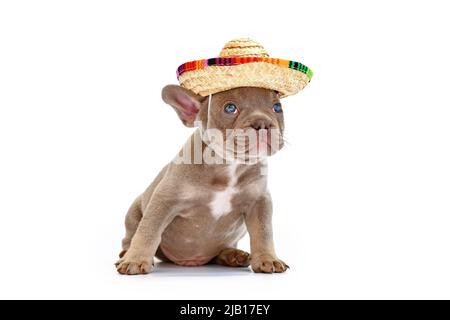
<point x="259" y="225"/>
<point x="139" y="257"/>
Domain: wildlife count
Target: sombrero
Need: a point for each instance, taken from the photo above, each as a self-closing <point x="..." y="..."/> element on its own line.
<point x="243" y="63"/>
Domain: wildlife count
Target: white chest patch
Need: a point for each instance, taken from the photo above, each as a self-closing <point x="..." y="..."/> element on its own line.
<point x="221" y="202"/>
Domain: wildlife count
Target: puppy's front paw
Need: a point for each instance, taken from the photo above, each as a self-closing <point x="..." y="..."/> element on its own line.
<point x="266" y="263"/>
<point x="132" y="266"/>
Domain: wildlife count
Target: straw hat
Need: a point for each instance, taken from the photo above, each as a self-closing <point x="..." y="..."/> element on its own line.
<point x="243" y="63"/>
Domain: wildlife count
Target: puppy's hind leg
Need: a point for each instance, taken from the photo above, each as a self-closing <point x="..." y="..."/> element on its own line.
<point x="132" y="220"/>
<point x="135" y="212"/>
<point x="232" y="257"/>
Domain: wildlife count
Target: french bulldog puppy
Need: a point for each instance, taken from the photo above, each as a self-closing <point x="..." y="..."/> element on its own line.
<point x="195" y="212"/>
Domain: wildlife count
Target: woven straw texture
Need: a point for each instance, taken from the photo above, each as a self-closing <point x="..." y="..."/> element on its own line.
<point x="243" y="48"/>
<point x="205" y="77"/>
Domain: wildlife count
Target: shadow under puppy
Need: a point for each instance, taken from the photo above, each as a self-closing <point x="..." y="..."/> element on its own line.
<point x="195" y="212"/>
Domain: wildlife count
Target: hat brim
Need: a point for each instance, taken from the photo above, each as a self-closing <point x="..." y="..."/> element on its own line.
<point x="205" y="77"/>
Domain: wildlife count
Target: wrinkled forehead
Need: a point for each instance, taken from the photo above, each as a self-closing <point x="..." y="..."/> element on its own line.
<point x="247" y="95"/>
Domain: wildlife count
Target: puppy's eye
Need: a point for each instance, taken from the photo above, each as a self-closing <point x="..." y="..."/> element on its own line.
<point x="277" y="108"/>
<point x="230" y="108"/>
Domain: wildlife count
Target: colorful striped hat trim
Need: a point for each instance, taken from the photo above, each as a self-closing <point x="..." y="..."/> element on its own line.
<point x="234" y="61"/>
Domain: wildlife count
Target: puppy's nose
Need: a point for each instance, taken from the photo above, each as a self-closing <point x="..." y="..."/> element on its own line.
<point x="260" y="124"/>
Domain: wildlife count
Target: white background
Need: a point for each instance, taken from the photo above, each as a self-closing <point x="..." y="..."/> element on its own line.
<point x="361" y="194"/>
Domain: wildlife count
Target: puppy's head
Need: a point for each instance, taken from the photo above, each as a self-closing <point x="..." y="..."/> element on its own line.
<point x="242" y="123"/>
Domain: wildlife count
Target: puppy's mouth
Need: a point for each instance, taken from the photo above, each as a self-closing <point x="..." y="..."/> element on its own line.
<point x="252" y="143"/>
<point x="244" y="145"/>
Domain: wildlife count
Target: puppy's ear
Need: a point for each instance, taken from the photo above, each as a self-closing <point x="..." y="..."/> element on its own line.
<point x="185" y="102"/>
